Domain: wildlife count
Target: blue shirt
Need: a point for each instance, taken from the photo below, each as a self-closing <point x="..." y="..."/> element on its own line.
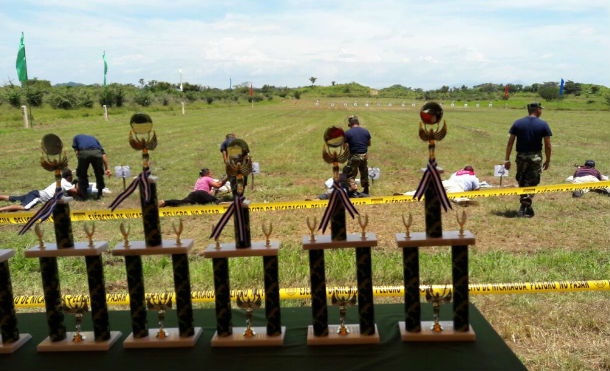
<point x="529" y="132"/>
<point x="83" y="142"/>
<point x="358" y="139"/>
<point x="225" y="144"/>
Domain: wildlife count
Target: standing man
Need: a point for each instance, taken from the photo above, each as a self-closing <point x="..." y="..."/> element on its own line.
<point x="358" y="139"/>
<point x="89" y="151"/>
<point x="530" y="132"/>
<point x="223" y="147"/>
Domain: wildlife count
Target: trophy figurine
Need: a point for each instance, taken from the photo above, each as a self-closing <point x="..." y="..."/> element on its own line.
<point x="343" y="299"/>
<point x="143" y="138"/>
<point x="78" y="307"/>
<point x="101" y="339"/>
<point x="431" y="186"/>
<point x="160" y="303"/>
<point x="437" y="299"/>
<point x="249" y="304"/>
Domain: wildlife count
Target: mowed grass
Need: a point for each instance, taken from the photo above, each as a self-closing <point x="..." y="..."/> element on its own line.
<point x="568" y="238"/>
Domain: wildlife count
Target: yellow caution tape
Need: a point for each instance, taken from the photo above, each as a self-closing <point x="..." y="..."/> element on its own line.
<point x="379" y="291"/>
<point x="93" y="215"/>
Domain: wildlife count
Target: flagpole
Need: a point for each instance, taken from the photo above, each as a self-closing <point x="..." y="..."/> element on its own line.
<point x="27" y="88"/>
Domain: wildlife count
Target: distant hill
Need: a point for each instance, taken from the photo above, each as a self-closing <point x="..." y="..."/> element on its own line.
<point x="71" y="83"/>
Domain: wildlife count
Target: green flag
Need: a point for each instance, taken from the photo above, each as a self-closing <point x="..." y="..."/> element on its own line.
<point x="105" y="67"/>
<point x="22" y="68"/>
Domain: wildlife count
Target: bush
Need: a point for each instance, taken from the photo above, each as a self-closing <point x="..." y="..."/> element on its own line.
<point x="209" y="100"/>
<point x="548" y="92"/>
<point x="63" y="98"/>
<point x="84" y="99"/>
<point x="13" y="96"/>
<point x="297" y="94"/>
<point x="33" y="96"/>
<point x="107" y="97"/>
<point x="143" y="98"/>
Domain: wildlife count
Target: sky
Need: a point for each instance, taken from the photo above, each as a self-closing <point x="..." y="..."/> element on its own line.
<point x="420" y="44"/>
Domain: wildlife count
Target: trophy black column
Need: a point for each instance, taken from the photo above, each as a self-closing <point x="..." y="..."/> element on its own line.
<point x="319" y="305"/>
<point x="63" y="225"/>
<point x="135" y="284"/>
<point x="459" y="259"/>
<point x="246" y="215"/>
<point x="364" y="273"/>
<point x="8" y="319"/>
<point x="52" y="298"/>
<point x="150" y="215"/>
<point x="272" y="296"/>
<point x="434" y="225"/>
<point x="223" y="296"/>
<point x="337" y="223"/>
<point x="410" y="258"/>
<point x="182" y="286"/>
<point x="97" y="292"/>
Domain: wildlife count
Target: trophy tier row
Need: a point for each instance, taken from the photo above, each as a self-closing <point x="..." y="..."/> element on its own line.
<point x="186" y="334"/>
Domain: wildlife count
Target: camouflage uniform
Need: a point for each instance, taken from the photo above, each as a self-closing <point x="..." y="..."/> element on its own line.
<point x="529" y="168"/>
<point x="357" y="162"/>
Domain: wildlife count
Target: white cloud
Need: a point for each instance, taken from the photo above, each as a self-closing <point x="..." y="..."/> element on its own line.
<point x="380" y="43"/>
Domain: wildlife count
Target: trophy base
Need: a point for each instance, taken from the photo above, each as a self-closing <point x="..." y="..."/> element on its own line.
<point x="87" y="345"/>
<point x="237" y="339"/>
<point x="9" y="348"/>
<point x="173" y="339"/>
<point x="447" y="335"/>
<point x="354" y="337"/>
<point x="325" y="241"/>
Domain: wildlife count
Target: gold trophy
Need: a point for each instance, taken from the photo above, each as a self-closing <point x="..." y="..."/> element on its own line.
<point x="437" y="299"/>
<point x="125" y="233"/>
<point x="77" y="306"/>
<point x="312" y="228"/>
<point x="89" y="233"/>
<point x="407" y="222"/>
<point x="363" y="223"/>
<point x="249" y="304"/>
<point x="343" y="299"/>
<point x="178" y="231"/>
<point x="461" y="221"/>
<point x="39" y="234"/>
<point x="267" y="233"/>
<point x="160" y="303"/>
<point x="238" y="163"/>
<point x="335" y="149"/>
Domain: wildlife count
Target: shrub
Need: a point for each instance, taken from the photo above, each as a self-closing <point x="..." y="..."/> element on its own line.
<point x="13" y="96"/>
<point x="549" y="92"/>
<point x="143" y="98"/>
<point x="33" y="96"/>
<point x="63" y="98"/>
<point x="84" y="99"/>
<point x="107" y="97"/>
<point x="209" y="99"/>
<point x="297" y="94"/>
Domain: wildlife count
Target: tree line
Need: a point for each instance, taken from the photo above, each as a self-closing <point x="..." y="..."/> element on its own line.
<point x="35" y="92"/>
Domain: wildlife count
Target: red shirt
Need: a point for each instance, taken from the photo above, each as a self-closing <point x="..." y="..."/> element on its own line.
<point x="203" y="184"/>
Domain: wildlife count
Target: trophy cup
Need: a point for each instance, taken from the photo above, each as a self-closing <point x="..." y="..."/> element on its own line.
<point x="249" y="304"/>
<point x="78" y="307"/>
<point x="11" y="338"/>
<point x="435" y="198"/>
<point x="239" y="166"/>
<point x="143" y="138"/>
<point x="437" y="298"/>
<point x="343" y="299"/>
<point x="161" y="303"/>
<point x="334" y="151"/>
<point x="54" y="159"/>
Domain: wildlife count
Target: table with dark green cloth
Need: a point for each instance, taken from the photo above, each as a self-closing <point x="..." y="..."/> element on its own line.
<point x="488" y="352"/>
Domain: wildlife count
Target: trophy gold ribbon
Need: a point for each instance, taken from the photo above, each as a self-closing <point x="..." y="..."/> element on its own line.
<point x="160" y="303"/>
<point x="77" y="306"/>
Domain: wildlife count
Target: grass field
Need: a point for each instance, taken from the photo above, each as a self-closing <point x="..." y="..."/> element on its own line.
<point x="568" y="238"/>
